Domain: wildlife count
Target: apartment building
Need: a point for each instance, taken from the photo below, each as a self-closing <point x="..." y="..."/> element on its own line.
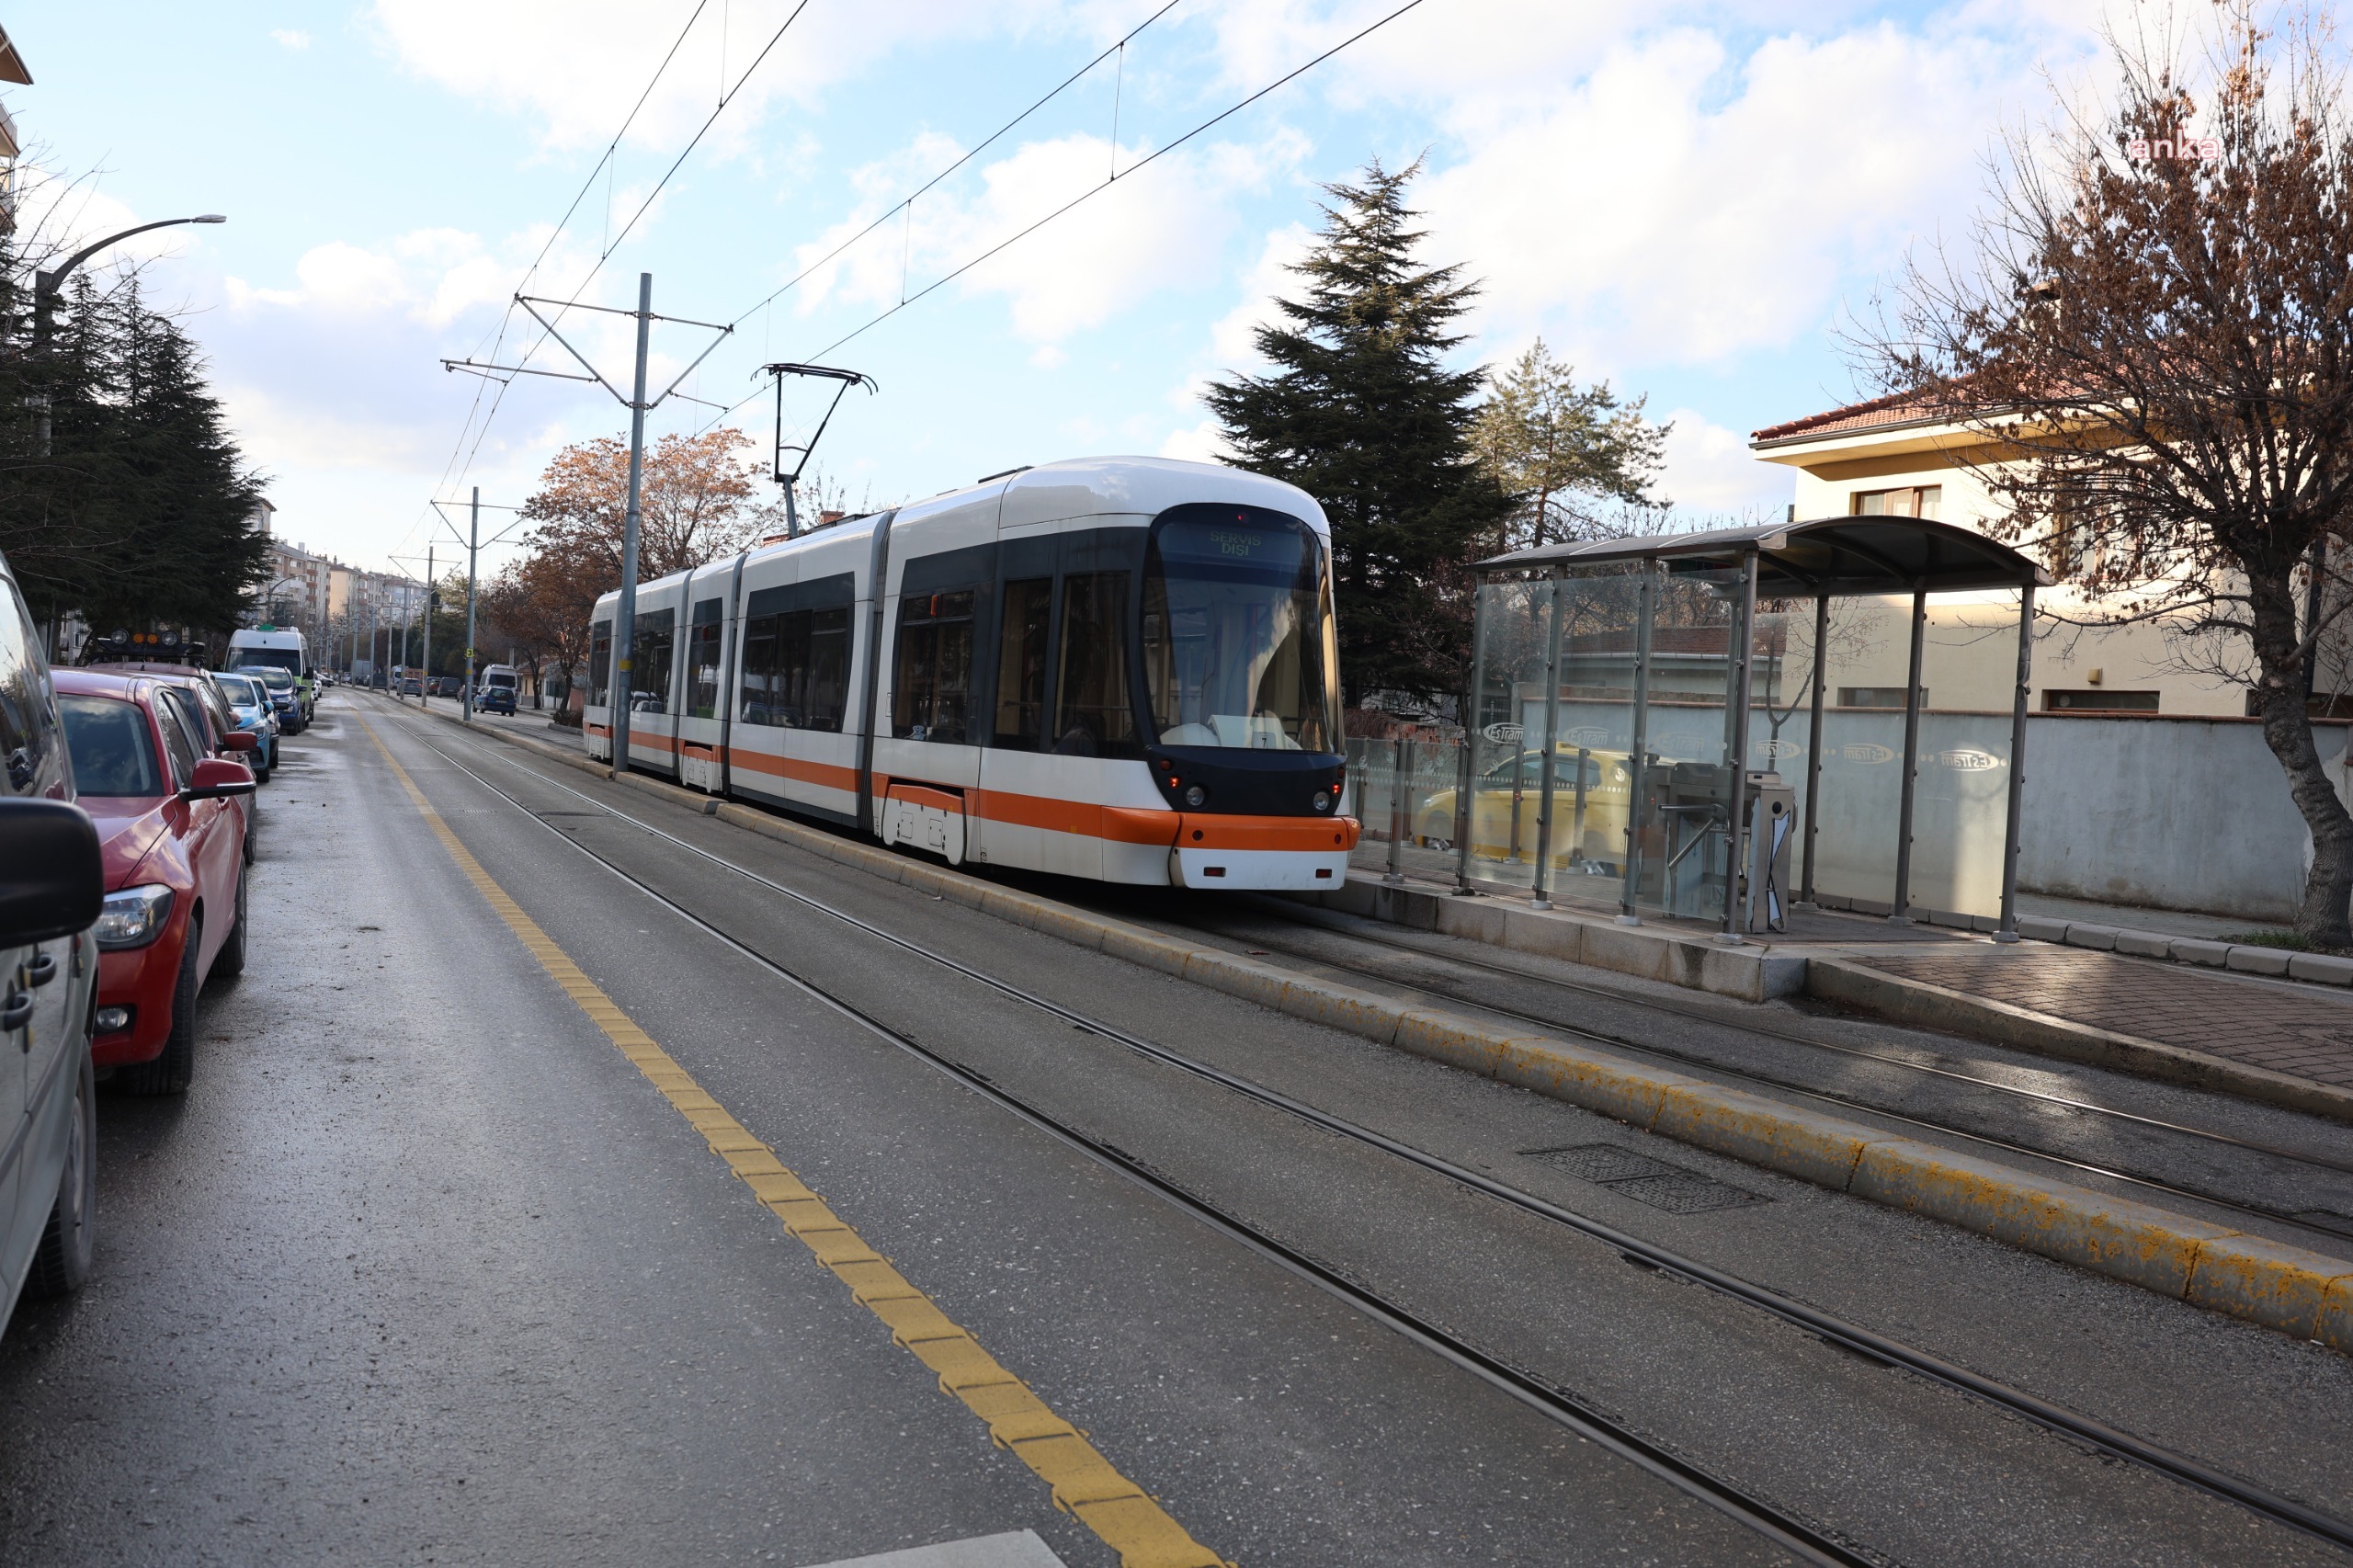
<point x="1890" y="456"/>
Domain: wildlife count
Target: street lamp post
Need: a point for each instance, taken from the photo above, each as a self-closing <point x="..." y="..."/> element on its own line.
<point x="45" y="283"/>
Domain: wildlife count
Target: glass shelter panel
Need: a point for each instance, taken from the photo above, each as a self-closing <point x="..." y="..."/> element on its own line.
<point x="1682" y="806"/>
<point x="1496" y="816"/>
<point x="1969" y="666"/>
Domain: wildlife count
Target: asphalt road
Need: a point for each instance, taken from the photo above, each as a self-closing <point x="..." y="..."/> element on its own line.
<point x="424" y="1268"/>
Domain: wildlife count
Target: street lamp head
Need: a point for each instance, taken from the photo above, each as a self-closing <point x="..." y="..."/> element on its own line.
<point x="210" y="218"/>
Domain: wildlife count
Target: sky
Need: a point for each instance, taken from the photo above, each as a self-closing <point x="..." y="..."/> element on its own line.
<point x="1690" y="201"/>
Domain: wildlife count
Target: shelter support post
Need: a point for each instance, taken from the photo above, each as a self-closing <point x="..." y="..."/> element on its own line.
<point x="1637" y="744"/>
<point x="1466" y="773"/>
<point x="1901" y="910"/>
<point x="2013" y="807"/>
<point x="1744" y="635"/>
<point x="1399" y="817"/>
<point x="1547" y="768"/>
<point x="1813" y="750"/>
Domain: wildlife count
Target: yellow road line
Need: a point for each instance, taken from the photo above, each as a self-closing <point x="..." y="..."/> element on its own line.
<point x="1085" y="1483"/>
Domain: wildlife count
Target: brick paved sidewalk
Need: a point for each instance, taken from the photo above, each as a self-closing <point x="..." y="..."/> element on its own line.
<point x="2307" y="1033"/>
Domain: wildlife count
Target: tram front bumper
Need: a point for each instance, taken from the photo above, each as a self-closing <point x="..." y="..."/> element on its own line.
<point x="1262" y="854"/>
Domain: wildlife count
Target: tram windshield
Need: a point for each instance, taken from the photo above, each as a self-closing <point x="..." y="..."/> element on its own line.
<point x="1235" y="611"/>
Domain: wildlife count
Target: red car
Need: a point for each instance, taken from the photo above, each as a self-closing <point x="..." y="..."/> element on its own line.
<point x="172" y="820"/>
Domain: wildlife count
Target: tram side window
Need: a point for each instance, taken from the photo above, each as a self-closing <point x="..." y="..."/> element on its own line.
<point x="1093" y="714"/>
<point x="702" y="660"/>
<point x="600" y="663"/>
<point x="1021" y="664"/>
<point x="934" y="684"/>
<point x="762" y="702"/>
<point x="796" y="669"/>
<point x="655" y="635"/>
<point x="828" y="671"/>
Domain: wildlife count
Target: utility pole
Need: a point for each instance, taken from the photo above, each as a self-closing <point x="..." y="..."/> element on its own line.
<point x="45" y="287"/>
<point x="625" y="617"/>
<point x="639" y="405"/>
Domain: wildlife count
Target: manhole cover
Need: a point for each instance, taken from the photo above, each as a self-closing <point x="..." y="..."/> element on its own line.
<point x="1646" y="1180"/>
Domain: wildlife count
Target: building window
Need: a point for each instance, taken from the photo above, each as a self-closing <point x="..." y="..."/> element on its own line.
<point x="2099" y="702"/>
<point x="1876" y="697"/>
<point x="1912" y="501"/>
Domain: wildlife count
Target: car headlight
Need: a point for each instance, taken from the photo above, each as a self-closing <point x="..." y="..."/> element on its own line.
<point x="134" y="918"/>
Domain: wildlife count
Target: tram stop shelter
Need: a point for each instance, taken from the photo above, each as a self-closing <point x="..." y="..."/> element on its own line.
<point x="1652" y="711"/>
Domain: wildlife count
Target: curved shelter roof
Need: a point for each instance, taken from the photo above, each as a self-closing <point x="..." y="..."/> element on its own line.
<point x="1839" y="556"/>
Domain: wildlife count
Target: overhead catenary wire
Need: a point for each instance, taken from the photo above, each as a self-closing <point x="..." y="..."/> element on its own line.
<point x="611" y="241"/>
<point x="1072" y="204"/>
<point x="496" y="339"/>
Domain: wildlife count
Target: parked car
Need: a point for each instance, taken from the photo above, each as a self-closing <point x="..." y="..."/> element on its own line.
<point x="249" y="701"/>
<point x="50" y="901"/>
<point x="410" y="687"/>
<point x="1589" y="829"/>
<point x="173" y="823"/>
<point x="448" y="686"/>
<point x="284" y="696"/>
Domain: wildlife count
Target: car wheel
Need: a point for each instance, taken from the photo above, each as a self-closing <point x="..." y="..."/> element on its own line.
<point x="169" y="1074"/>
<point x="230" y="959"/>
<point x="62" y="1262"/>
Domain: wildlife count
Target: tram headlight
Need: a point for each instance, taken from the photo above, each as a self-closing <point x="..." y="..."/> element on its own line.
<point x="1323" y="801"/>
<point x="1196" y="796"/>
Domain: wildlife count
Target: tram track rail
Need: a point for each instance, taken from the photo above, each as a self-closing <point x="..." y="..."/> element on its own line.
<point x="2338" y="1234"/>
<point x="1802" y="1539"/>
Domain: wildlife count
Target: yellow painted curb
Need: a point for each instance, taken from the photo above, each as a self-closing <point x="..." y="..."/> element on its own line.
<point x="2304" y="1293"/>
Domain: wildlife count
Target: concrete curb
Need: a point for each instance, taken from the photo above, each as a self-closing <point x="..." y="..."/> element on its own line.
<point x="1907" y="1001"/>
<point x="2298" y="1292"/>
<point x="1751" y="971"/>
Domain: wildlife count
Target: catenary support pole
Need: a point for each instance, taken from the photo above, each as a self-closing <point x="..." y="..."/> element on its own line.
<point x="474" y="549"/>
<point x="1814" y="743"/>
<point x="1744" y="648"/>
<point x="625" y="614"/>
<point x="1638" y="765"/>
<point x="1546" y="767"/>
<point x="2012" y="809"/>
<point x="1901" y="911"/>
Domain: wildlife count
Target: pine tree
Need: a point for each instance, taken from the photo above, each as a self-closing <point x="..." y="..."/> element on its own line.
<point x="1363" y="414"/>
<point x="139" y="513"/>
<point x="1557" y="449"/>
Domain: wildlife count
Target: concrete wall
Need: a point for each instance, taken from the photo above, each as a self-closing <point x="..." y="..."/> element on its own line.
<point x="2180" y="814"/>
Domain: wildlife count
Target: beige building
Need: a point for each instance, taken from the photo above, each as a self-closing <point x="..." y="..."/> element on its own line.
<point x="1883" y="456"/>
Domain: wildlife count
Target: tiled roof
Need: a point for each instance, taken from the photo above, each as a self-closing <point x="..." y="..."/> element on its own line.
<point x="1896" y="408"/>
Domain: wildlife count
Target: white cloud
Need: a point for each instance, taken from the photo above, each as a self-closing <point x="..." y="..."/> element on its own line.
<point x="1678" y="205"/>
<point x="290" y="38"/>
<point x="1159" y="229"/>
<point x="577" y="65"/>
<point x="1711" y="469"/>
<point x="1200" y="443"/>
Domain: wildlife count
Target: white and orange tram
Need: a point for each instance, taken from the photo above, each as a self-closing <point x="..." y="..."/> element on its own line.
<point x="1119" y="668"/>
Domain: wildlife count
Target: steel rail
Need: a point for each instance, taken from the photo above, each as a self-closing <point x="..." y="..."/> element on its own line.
<point x="1697" y="1016"/>
<point x="1564" y="1406"/>
<point x="1835" y="1330"/>
<point x="1830" y="1096"/>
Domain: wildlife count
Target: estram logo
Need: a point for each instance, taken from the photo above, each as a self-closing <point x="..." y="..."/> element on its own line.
<point x="2185" y="149"/>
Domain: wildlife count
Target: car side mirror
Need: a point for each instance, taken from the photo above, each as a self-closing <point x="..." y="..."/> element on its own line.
<point x="217" y="777"/>
<point x="56" y="882"/>
<point x="240" y="740"/>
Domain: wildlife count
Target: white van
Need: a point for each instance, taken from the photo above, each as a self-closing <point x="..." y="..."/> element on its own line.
<point x="278" y="647"/>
